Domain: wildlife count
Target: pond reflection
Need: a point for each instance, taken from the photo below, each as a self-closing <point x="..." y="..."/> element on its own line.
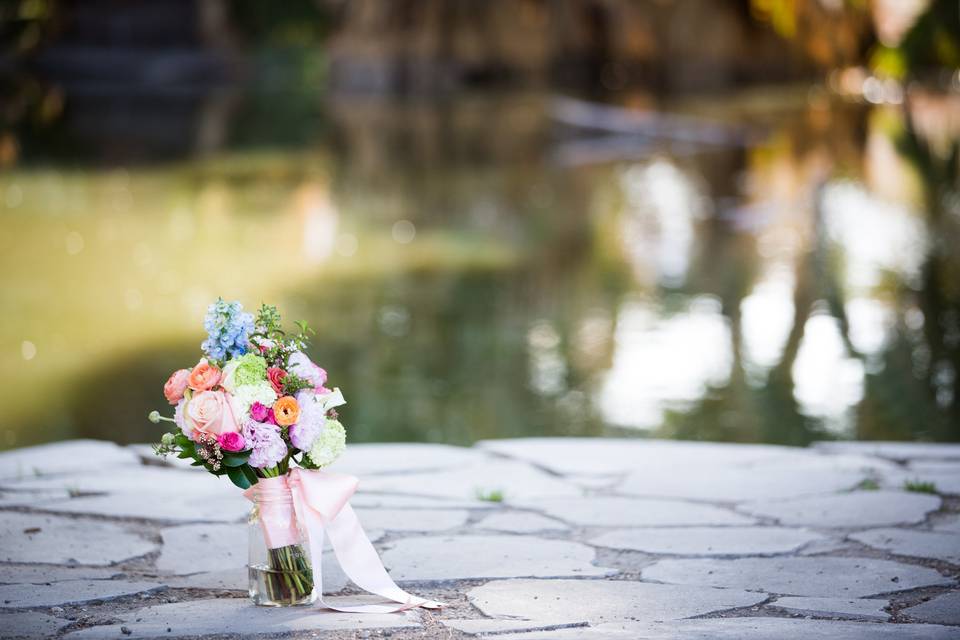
<point x="482" y="269"/>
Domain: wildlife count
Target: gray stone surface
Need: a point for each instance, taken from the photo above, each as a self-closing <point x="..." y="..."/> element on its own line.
<point x="238" y="616"/>
<point x="815" y="576"/>
<point x="136" y="523"/>
<point x="912" y="542"/>
<point x="943" y="609"/>
<point x="73" y="456"/>
<point x="520" y="522"/>
<point x="203" y="547"/>
<point x="494" y="556"/>
<point x="610" y="511"/>
<point x="899" y="451"/>
<point x="708" y="541"/>
<point x="56" y="540"/>
<point x="364" y="460"/>
<point x="859" y="609"/>
<point x="853" y="509"/>
<point x="515" y="480"/>
<point x="598" y="601"/>
<point x="412" y="519"/>
<point x="29" y="624"/>
<point x="42" y="574"/>
<point x="173" y="507"/>
<point x="751" y="628"/>
<point x="70" y="592"/>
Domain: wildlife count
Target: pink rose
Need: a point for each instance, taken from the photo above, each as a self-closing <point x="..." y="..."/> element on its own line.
<point x="231" y="441"/>
<point x="204" y="376"/>
<point x="276" y="375"/>
<point x="209" y="412"/>
<point x="176" y="385"/>
<point x="259" y="412"/>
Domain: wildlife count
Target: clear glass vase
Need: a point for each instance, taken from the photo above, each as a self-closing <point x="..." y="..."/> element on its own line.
<point x="280" y="576"/>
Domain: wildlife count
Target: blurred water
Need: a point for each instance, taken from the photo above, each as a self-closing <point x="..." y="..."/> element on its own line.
<point x="745" y="270"/>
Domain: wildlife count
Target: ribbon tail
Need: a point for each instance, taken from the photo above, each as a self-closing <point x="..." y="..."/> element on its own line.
<point x="361" y="563"/>
<point x="356" y="556"/>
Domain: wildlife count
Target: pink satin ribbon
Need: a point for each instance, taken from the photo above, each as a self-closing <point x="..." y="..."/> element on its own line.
<point x="320" y="501"/>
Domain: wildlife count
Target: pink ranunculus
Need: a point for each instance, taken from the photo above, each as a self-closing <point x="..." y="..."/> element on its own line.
<point x="204" y="376"/>
<point x="209" y="412"/>
<point x="271" y="419"/>
<point x="176" y="385"/>
<point x="231" y="441"/>
<point x="259" y="411"/>
<point x="276" y="375"/>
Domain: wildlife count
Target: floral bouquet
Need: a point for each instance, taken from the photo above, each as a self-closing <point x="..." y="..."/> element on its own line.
<point x="257" y="410"/>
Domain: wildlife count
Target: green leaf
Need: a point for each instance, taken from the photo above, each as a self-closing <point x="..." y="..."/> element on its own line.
<point x="238" y="477"/>
<point x="250" y="473"/>
<point x="235" y="459"/>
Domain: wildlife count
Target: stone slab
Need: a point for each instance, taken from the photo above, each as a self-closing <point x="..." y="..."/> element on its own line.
<point x="949" y="523"/>
<point x="853" y="509"/>
<point x="412" y="519"/>
<point x="55" y="540"/>
<point x="31" y="498"/>
<point x="787" y="475"/>
<point x="944" y="609"/>
<point x="238" y="616"/>
<point x="72" y="456"/>
<point x="598" y="601"/>
<point x="898" y="451"/>
<point x="520" y="522"/>
<point x="809" y="576"/>
<point x="945" y="480"/>
<point x="750" y="628"/>
<point x="365" y="460"/>
<point x="515" y="480"/>
<point x="369" y="500"/>
<point x="440" y="558"/>
<point x="29" y="624"/>
<point x="708" y="541"/>
<point x="604" y="456"/>
<point x="164" y="507"/>
<point x="70" y="592"/>
<point x="489" y="626"/>
<point x="912" y="542"/>
<point x="203" y="547"/>
<point x="43" y="574"/>
<point x="859" y="609"/>
<point x="613" y="511"/>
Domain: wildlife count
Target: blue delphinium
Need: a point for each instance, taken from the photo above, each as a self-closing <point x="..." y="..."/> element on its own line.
<point x="228" y="329"/>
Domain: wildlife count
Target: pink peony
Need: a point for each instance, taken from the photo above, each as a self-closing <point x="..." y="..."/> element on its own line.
<point x="259" y="411"/>
<point x="176" y="385"/>
<point x="209" y="412"/>
<point x="276" y="375"/>
<point x="300" y="365"/>
<point x="231" y="441"/>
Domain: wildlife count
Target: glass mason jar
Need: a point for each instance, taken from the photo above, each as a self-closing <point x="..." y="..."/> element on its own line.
<point x="279" y="566"/>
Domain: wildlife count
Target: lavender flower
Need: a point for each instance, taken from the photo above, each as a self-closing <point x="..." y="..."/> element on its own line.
<point x="268" y="448"/>
<point x="312" y="418"/>
<point x="228" y="330"/>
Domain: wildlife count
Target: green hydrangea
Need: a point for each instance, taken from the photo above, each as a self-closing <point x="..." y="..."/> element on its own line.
<point x="328" y="446"/>
<point x="251" y="369"/>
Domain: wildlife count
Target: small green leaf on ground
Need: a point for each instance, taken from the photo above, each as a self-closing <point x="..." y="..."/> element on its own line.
<point x="920" y="486"/>
<point x="491" y="495"/>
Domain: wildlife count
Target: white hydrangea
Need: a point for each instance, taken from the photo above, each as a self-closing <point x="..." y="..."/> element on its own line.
<point x="246" y="394"/>
<point x="329" y="445"/>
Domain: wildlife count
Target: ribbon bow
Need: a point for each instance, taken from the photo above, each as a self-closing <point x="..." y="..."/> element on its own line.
<point x="321" y="504"/>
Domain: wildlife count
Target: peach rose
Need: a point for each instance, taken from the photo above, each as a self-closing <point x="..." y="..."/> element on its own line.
<point x="286" y="411"/>
<point x="176" y="385"/>
<point x="209" y="412"/>
<point x="204" y="376"/>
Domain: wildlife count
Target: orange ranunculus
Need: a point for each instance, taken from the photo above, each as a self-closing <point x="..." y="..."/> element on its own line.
<point x="286" y="411"/>
<point x="204" y="376"/>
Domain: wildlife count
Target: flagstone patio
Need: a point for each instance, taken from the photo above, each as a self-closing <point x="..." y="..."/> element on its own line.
<point x="577" y="538"/>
